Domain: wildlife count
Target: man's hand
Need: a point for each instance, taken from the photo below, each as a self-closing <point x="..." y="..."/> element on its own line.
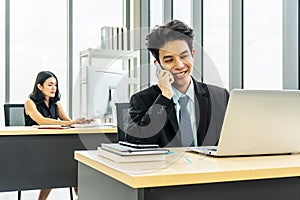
<point x="165" y="80"/>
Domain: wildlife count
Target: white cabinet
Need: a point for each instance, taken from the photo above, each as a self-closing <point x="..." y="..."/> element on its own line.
<point x="107" y="77"/>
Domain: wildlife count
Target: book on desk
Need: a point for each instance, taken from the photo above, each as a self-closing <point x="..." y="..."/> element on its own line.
<point x="50" y="126"/>
<point x="121" y="153"/>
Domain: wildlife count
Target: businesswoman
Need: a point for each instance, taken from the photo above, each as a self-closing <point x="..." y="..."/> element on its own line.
<point x="43" y="107"/>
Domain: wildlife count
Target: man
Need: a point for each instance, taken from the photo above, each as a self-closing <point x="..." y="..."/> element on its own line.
<point x="157" y="115"/>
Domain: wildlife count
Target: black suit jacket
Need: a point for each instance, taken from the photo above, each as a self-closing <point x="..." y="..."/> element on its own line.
<point x="153" y="120"/>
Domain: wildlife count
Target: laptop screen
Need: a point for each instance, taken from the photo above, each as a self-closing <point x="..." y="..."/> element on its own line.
<point x="261" y="122"/>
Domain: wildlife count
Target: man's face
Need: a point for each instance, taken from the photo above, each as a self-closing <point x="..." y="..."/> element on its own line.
<point x="176" y="57"/>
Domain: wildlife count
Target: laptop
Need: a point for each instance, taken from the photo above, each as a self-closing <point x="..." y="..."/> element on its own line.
<point x="259" y="122"/>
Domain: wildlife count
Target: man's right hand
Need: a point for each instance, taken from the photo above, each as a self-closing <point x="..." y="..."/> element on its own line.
<point x="165" y="80"/>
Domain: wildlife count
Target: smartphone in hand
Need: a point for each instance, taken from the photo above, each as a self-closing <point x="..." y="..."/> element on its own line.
<point x="165" y="80"/>
<point x="158" y="68"/>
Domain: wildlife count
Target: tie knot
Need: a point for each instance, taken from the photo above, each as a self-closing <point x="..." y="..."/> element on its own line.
<point x="183" y="101"/>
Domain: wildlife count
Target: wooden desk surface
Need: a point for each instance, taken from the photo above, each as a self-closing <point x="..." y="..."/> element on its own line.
<point x="27" y="130"/>
<point x="184" y="168"/>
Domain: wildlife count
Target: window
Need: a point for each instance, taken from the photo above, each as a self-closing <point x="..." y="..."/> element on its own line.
<point x="182" y="11"/>
<point x="263" y="44"/>
<point x="89" y="17"/>
<point x="216" y="42"/>
<point x="2" y="60"/>
<point x="38" y="42"/>
<point x="156" y="18"/>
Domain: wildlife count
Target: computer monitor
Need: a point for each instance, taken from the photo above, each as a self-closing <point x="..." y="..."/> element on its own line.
<point x="105" y="88"/>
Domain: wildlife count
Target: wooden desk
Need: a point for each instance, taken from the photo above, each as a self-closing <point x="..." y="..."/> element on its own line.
<point x="34" y="158"/>
<point x="190" y="176"/>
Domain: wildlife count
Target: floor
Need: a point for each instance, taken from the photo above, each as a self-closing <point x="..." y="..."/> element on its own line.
<point x="56" y="194"/>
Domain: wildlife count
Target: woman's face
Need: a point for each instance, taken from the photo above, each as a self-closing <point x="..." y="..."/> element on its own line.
<point x="49" y="87"/>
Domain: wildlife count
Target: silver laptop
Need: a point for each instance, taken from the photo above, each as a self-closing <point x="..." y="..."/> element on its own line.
<point x="259" y="122"/>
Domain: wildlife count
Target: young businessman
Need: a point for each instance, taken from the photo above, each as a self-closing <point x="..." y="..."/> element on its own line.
<point x="157" y="114"/>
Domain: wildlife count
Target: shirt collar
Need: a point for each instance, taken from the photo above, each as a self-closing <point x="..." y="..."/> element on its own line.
<point x="190" y="93"/>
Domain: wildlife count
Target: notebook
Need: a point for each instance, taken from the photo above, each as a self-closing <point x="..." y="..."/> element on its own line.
<point x="122" y="150"/>
<point x="132" y="158"/>
<point x="259" y="122"/>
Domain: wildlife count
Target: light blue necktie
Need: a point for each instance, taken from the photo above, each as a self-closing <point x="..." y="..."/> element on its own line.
<point x="185" y="126"/>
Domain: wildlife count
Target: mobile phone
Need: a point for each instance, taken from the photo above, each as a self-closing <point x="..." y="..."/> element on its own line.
<point x="138" y="146"/>
<point x="158" y="68"/>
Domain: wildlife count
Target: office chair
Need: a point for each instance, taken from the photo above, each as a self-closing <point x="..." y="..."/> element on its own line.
<point x="122" y="118"/>
<point x="14" y="116"/>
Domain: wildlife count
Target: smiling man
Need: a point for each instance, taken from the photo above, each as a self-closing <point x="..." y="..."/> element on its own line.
<point x="178" y="111"/>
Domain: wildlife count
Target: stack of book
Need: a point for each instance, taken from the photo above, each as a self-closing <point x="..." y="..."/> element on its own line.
<point x="127" y="152"/>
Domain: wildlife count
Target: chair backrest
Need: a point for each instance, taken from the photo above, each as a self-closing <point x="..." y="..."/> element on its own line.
<point x="14" y="114"/>
<point x="122" y="119"/>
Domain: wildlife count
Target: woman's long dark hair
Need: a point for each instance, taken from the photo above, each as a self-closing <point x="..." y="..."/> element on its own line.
<point x="36" y="95"/>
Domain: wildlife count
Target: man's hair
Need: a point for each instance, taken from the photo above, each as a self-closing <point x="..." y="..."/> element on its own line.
<point x="171" y="31"/>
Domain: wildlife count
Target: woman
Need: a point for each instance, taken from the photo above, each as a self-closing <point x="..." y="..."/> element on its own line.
<point x="43" y="107"/>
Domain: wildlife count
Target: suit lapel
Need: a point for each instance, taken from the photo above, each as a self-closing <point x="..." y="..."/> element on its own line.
<point x="202" y="111"/>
